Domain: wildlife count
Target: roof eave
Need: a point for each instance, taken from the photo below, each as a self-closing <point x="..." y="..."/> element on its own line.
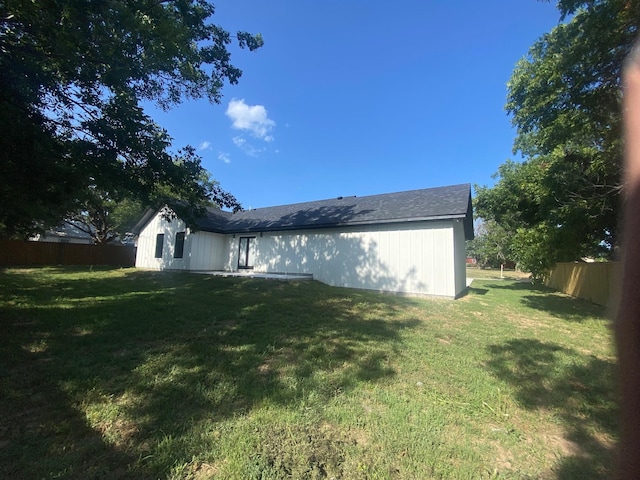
<point x="212" y="230"/>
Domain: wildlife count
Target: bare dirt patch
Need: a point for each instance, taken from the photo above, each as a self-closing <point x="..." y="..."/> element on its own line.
<point x="303" y="451"/>
<point x="204" y="471"/>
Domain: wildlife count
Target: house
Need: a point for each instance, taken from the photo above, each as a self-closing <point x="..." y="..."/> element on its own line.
<point x="409" y="242"/>
<point x="67" y="232"/>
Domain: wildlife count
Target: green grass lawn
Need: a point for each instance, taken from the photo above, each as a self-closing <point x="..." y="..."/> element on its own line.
<point x="495" y="273"/>
<point x="128" y="374"/>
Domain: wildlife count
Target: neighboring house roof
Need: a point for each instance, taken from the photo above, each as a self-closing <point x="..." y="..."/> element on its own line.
<point x="67" y="230"/>
<point x="452" y="202"/>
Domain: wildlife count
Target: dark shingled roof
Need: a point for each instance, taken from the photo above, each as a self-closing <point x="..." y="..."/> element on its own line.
<point x="452" y="202"/>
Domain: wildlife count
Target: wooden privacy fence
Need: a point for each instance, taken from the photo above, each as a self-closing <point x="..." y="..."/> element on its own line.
<point x="596" y="282"/>
<point x="18" y="252"/>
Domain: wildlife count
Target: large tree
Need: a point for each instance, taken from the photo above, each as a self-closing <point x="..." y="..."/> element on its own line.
<point x="109" y="216"/>
<point x="73" y="76"/>
<point x="564" y="97"/>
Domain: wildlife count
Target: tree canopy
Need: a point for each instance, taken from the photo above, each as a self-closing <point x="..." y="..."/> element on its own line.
<point x="563" y="201"/>
<point x="110" y="216"/>
<point x="73" y="76"/>
<point x="491" y="245"/>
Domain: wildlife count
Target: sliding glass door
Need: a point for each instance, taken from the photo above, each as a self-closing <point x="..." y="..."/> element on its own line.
<point x="246" y="252"/>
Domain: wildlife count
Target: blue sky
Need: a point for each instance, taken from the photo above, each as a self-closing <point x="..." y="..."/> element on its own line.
<point x="360" y="97"/>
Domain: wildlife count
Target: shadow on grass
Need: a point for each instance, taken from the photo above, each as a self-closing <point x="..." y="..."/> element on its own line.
<point x="579" y="388"/>
<point x="473" y="291"/>
<point x="108" y="376"/>
<point x="552" y="302"/>
<point x="42" y="433"/>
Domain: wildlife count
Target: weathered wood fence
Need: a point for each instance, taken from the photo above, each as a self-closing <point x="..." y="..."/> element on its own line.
<point x="18" y="252"/>
<point x="596" y="282"/>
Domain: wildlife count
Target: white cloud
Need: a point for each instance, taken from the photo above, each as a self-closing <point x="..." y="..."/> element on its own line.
<point x="251" y="118"/>
<point x="252" y="150"/>
<point x="247" y="147"/>
<point x="225" y="157"/>
<point x="205" y="145"/>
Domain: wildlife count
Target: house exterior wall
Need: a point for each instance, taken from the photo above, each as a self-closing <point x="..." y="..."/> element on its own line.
<point x="61" y="239"/>
<point x="418" y="258"/>
<point x="206" y="251"/>
<point x="145" y="255"/>
<point x="202" y="250"/>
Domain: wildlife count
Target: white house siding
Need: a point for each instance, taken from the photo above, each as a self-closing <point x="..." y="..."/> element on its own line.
<point x="145" y="255"/>
<point x="415" y="258"/>
<point x="207" y="251"/>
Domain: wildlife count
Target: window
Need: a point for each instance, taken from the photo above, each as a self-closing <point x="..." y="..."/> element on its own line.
<point x="159" y="244"/>
<point x="179" y="251"/>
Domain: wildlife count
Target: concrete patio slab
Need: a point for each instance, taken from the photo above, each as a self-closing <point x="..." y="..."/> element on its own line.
<point x="268" y="276"/>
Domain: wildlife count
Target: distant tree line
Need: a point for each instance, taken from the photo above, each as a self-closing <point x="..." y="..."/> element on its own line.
<point x="563" y="201"/>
